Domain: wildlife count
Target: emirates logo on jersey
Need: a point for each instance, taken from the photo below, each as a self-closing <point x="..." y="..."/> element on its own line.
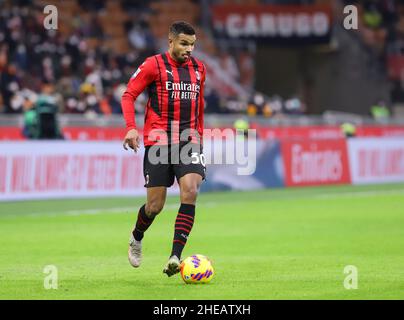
<point x="182" y="86"/>
<point x="183" y="90"/>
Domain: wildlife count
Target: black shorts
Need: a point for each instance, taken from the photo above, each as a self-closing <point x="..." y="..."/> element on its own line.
<point x="162" y="163"/>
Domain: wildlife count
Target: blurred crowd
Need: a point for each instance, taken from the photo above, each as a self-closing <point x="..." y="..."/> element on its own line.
<point x="80" y="78"/>
<point x="81" y="71"/>
<point x="381" y="30"/>
<point x="84" y="71"/>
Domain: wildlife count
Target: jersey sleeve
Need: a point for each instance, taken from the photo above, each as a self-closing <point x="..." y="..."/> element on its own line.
<point x="201" y="106"/>
<point x="139" y="81"/>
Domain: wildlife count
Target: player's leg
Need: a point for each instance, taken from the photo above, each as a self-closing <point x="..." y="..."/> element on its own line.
<point x="189" y="171"/>
<point x="156" y="197"/>
<point x="189" y="177"/>
<point x="157" y="177"/>
<point x="189" y="186"/>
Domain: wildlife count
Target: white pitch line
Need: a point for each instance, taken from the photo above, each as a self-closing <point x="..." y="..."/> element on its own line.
<point x="173" y="206"/>
<point x="335" y="195"/>
<point x="110" y="210"/>
<point x="97" y="211"/>
<point x="359" y="194"/>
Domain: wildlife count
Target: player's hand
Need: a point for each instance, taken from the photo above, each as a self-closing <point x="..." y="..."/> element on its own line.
<point x="132" y="140"/>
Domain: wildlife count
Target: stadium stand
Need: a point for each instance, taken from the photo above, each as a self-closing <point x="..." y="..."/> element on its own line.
<point x="85" y="65"/>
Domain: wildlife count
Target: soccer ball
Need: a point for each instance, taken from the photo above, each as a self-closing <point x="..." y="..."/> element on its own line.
<point x="196" y="269"/>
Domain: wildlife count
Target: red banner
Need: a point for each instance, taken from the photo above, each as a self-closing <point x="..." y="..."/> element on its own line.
<point x="380" y="131"/>
<point x="307" y="132"/>
<point x="311" y="132"/>
<point x="73" y="133"/>
<point x="315" y="162"/>
<point x="11" y="133"/>
<point x="327" y="132"/>
<point x="94" y="133"/>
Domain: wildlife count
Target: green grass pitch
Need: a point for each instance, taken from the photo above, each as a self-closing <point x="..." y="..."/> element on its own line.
<point x="271" y="244"/>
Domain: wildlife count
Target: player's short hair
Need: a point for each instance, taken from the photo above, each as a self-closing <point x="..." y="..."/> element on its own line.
<point x="181" y="27"/>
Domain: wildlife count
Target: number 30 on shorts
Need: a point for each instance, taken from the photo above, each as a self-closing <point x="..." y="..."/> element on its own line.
<point x="198" y="158"/>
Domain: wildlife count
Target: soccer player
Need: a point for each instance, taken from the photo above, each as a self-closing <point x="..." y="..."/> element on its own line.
<point x="172" y="134"/>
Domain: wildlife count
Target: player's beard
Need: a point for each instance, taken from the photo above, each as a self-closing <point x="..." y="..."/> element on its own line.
<point x="183" y="57"/>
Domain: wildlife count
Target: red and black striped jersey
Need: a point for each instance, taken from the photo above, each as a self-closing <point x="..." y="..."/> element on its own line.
<point x="175" y="103"/>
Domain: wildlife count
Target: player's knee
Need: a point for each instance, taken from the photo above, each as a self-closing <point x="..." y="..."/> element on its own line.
<point x="154" y="208"/>
<point x="189" y="194"/>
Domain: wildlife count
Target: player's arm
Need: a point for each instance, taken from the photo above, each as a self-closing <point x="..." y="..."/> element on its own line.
<point x="142" y="78"/>
<point x="201" y="108"/>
